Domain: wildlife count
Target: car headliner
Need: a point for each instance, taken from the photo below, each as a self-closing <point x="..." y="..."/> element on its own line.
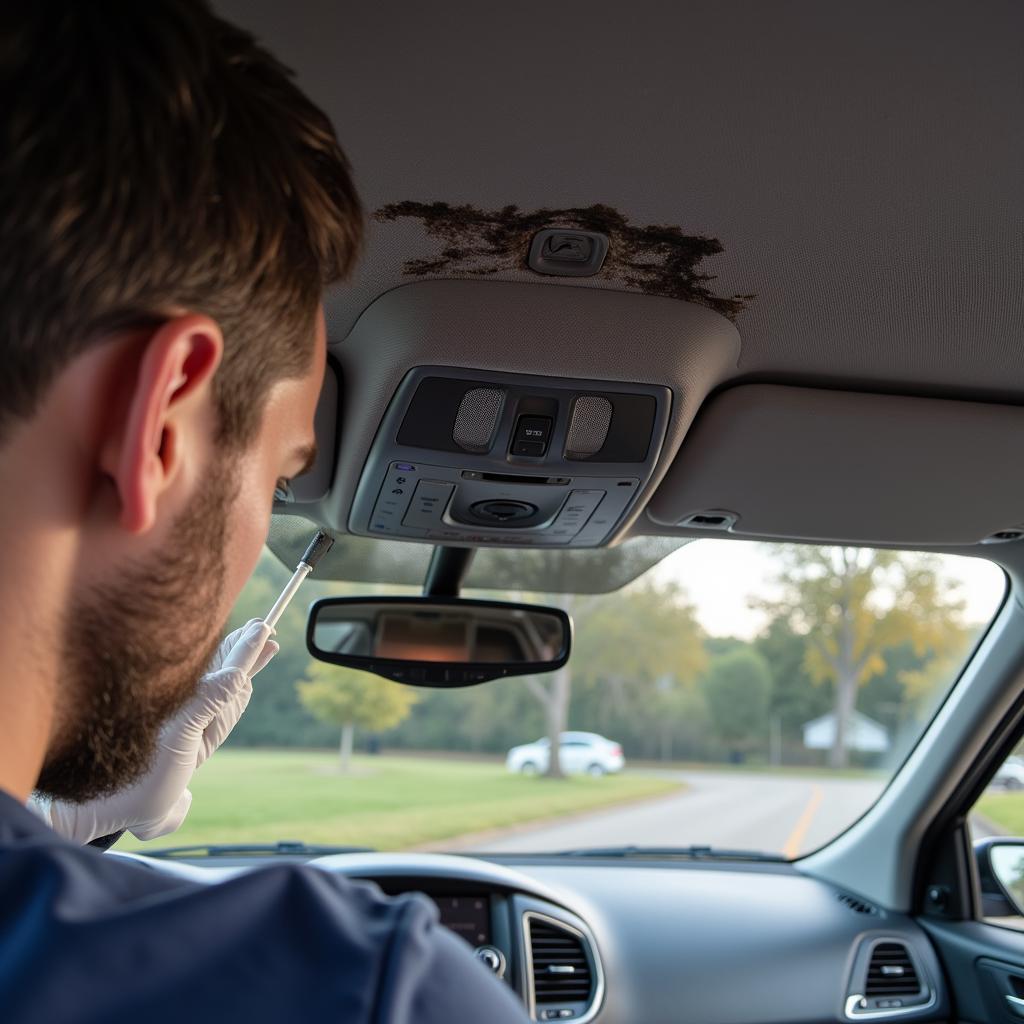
<point x="858" y="163"/>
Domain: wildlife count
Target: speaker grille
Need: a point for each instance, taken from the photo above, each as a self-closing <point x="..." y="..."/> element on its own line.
<point x="588" y="426"/>
<point x="477" y="418"/>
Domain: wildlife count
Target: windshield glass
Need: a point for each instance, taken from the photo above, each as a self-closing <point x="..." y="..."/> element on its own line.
<point x="736" y="695"/>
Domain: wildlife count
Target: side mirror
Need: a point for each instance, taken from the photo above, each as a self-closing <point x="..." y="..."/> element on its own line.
<point x="434" y="641"/>
<point x="1001" y="874"/>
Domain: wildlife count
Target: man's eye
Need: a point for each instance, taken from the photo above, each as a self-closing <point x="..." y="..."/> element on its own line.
<point x="283" y="490"/>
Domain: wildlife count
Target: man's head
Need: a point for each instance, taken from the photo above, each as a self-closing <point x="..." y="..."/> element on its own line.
<point x="171" y="207"/>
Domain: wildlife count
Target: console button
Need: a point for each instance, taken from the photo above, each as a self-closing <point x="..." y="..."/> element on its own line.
<point x="492" y="958"/>
<point x="578" y="508"/>
<point x="394" y="498"/>
<point x="532" y="435"/>
<point x="428" y="504"/>
<point x="531" y="449"/>
<point x="534" y="428"/>
<point x="503" y="510"/>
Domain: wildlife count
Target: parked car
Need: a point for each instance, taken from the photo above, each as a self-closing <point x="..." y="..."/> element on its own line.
<point x="580" y="752"/>
<point x="1010" y="775"/>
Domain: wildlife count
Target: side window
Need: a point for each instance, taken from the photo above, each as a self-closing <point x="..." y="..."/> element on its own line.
<point x="997" y="828"/>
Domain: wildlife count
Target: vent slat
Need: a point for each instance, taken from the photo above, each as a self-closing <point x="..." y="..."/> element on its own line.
<point x="891" y="972"/>
<point x="857" y="905"/>
<point x="554" y="947"/>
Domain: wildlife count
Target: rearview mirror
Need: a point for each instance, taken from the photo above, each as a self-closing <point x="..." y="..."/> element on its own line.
<point x="435" y="641"/>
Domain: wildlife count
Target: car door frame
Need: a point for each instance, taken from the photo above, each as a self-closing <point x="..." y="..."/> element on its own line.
<point x="983" y="961"/>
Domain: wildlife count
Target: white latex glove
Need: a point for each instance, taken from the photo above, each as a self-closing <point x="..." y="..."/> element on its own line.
<point x="157" y="803"/>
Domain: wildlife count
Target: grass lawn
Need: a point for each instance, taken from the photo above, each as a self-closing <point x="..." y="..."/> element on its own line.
<point x="390" y="803"/>
<point x="1005" y="810"/>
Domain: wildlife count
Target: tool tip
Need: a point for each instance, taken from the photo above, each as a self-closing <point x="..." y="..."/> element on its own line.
<point x="318" y="547"/>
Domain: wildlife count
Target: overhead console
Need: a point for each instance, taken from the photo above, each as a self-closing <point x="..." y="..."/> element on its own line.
<point x="486" y="458"/>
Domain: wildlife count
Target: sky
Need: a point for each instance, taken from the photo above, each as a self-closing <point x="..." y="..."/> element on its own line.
<point x="721" y="575"/>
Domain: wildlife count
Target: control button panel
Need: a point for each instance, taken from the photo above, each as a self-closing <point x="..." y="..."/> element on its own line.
<point x="395" y="495"/>
<point x="577" y="509"/>
<point x="444" y="505"/>
<point x="543" y="447"/>
<point x="532" y="436"/>
<point x="429" y="501"/>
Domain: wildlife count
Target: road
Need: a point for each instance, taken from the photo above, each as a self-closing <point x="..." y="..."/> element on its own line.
<point x="787" y="814"/>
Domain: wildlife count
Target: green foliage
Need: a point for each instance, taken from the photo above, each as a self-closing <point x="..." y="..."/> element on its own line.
<point x="489" y="718"/>
<point x="343" y="696"/>
<point x="1004" y="810"/>
<point x="795" y="699"/>
<point x="633" y="642"/>
<point x="738" y="689"/>
<point x="854" y="606"/>
<point x="855" y="603"/>
<point x="635" y="664"/>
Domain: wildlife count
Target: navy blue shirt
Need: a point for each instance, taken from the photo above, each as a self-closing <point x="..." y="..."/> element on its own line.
<point x="85" y="937"/>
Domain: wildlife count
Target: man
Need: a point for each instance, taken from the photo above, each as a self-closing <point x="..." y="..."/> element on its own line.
<point x="171" y="207"/>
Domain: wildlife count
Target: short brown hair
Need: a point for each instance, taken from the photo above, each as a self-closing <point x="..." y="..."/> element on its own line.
<point x="153" y="157"/>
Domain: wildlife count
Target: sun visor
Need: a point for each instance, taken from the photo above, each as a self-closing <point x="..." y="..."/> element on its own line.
<point x="769" y="461"/>
<point x="401" y="563"/>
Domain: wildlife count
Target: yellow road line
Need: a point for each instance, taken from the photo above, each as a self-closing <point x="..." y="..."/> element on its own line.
<point x="796" y="837"/>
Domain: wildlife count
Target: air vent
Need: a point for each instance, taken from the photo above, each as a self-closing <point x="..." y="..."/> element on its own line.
<point x="858" y="906"/>
<point x="562" y="975"/>
<point x="891" y="972"/>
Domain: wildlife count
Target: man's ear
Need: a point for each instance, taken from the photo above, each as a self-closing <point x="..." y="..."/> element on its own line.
<point x="165" y="401"/>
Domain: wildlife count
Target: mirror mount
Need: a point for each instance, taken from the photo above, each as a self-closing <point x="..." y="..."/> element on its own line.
<point x="447" y="569"/>
<point x="438" y="641"/>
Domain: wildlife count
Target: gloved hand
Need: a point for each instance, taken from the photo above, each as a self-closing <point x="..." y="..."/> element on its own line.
<point x="157" y="803"/>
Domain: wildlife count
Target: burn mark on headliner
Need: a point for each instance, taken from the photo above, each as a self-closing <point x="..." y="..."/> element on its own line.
<point x="657" y="259"/>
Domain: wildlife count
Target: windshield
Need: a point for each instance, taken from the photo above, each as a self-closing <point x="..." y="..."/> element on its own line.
<point x="737" y="695"/>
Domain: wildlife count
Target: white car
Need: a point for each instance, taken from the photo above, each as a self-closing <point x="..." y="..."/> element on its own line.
<point x="1010" y="774"/>
<point x="580" y="752"/>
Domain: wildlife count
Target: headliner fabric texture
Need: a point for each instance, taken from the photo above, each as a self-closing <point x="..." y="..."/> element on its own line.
<point x="860" y="163"/>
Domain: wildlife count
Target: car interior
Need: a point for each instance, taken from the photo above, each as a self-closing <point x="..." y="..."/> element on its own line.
<point x="644" y="275"/>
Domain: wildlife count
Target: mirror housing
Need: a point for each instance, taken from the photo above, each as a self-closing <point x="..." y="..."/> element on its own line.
<point x="438" y="641"/>
<point x="1000" y="863"/>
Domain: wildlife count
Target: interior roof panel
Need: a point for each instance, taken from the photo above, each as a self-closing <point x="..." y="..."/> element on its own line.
<point x="860" y="163"/>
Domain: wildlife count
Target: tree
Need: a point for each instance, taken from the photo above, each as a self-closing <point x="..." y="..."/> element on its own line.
<point x="350" y="698"/>
<point x="577" y="581"/>
<point x="641" y="654"/>
<point x="553" y="691"/>
<point x="852" y="604"/>
<point x="737" y="689"/>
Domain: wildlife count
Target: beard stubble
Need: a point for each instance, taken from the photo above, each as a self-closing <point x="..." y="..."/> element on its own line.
<point x="134" y="650"/>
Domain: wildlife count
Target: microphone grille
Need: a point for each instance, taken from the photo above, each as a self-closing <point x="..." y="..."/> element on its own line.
<point x="588" y="426"/>
<point x="477" y="418"/>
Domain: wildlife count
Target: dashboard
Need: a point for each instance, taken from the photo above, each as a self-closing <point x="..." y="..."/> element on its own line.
<point x="468" y="916"/>
<point x="663" y="942"/>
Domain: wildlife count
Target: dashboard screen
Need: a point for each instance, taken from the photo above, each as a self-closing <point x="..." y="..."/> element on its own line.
<point x="468" y="916"/>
